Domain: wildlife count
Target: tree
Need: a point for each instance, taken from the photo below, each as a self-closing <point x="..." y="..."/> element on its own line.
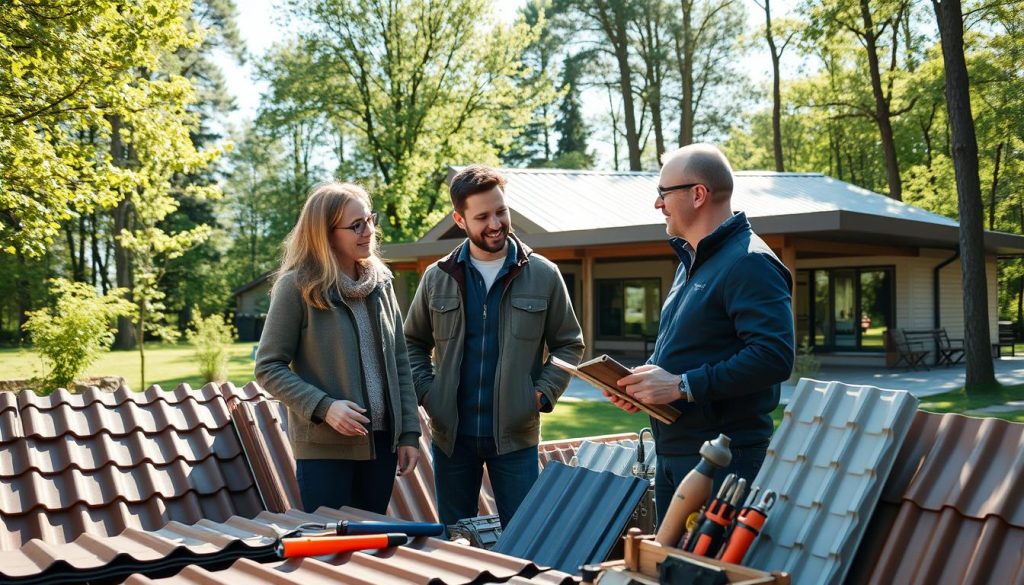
<point x="968" y="185"/>
<point x="572" y="130"/>
<point x="776" y="48"/>
<point x="65" y="69"/>
<point x="420" y="84"/>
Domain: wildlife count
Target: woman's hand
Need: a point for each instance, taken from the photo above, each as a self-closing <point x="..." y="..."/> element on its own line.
<point x="408" y="456"/>
<point x="345" y="417"/>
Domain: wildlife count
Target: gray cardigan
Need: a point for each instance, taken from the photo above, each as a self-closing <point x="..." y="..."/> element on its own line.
<point x="306" y="354"/>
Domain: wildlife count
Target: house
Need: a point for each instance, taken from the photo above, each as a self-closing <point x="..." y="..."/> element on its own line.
<point x="862" y="262"/>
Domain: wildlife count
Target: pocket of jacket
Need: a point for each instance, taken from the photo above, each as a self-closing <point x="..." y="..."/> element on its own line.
<point x="527" y="316"/>
<point x="444" y="318"/>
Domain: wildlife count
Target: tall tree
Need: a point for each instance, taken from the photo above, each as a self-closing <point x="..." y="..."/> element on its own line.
<point x="572" y="129"/>
<point x="423" y="83"/>
<point x="776" y="46"/>
<point x="968" y="185"/>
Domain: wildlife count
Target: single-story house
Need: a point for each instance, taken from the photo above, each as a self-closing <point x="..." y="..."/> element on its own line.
<point x="862" y="262"/>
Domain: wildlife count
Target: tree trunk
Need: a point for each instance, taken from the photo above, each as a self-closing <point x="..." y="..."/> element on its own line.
<point x="123" y="273"/>
<point x="776" y="89"/>
<point x="883" y="114"/>
<point x="995" y="186"/>
<point x="977" y="342"/>
<point x="684" y="58"/>
<point x="614" y="25"/>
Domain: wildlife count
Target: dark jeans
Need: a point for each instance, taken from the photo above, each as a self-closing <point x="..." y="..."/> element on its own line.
<point x="457" y="478"/>
<point x="335" y="483"/>
<point x="746" y="462"/>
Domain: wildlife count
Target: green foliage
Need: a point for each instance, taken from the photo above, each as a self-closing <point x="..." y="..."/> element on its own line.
<point x="212" y="338"/>
<point x="79" y="328"/>
<point x="66" y="70"/>
<point x="805" y="365"/>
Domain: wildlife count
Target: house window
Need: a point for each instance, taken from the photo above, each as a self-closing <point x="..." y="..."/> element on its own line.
<point x="844" y="309"/>
<point x="628" y="308"/>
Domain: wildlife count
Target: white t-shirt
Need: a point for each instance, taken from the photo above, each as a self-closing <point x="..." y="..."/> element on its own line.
<point x="488" y="269"/>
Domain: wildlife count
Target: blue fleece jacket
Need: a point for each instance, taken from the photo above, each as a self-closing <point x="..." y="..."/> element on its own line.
<point x="480" y="354"/>
<point x="727" y="324"/>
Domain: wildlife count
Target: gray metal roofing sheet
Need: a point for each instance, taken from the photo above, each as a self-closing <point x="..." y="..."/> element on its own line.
<point x="827" y="462"/>
<point x="617" y="458"/>
<point x="558" y="200"/>
<point x="572" y="516"/>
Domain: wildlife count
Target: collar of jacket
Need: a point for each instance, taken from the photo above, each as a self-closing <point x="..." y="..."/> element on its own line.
<point x="450" y="264"/>
<point x="712" y="242"/>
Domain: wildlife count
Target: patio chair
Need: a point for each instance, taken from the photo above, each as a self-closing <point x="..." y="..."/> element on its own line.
<point x="950" y="351"/>
<point x="1007" y="338"/>
<point x="911" y="353"/>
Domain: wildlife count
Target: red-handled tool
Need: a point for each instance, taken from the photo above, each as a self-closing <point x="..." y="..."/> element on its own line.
<point x="311" y="546"/>
<point x="717" y="519"/>
<point x="748" y="525"/>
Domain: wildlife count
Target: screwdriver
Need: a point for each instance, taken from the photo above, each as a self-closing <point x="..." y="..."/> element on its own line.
<point x="748" y="525"/>
<point x="311" y="546"/>
<point x="718" y="518"/>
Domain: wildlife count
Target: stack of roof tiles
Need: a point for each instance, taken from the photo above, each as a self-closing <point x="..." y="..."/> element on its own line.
<point x="100" y="463"/>
<point x="952" y="510"/>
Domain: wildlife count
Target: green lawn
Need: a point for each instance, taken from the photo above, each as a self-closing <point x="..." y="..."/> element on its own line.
<point x="587" y="418"/>
<point x="166" y="364"/>
<point x="959" y="401"/>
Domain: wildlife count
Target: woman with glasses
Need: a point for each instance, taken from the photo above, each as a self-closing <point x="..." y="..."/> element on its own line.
<point x="333" y="352"/>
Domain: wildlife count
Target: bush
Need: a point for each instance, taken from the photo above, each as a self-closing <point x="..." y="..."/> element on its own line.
<point x="212" y="337"/>
<point x="806" y="365"/>
<point x="79" y="328"/>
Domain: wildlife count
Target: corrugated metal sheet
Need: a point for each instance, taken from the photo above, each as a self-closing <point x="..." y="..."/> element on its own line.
<point x="617" y="458"/>
<point x="99" y="462"/>
<point x="558" y="200"/>
<point x="564" y="450"/>
<point x="828" y="462"/>
<point x="207" y="546"/>
<point x="951" y="511"/>
<point x="572" y="516"/>
<point x="260" y="425"/>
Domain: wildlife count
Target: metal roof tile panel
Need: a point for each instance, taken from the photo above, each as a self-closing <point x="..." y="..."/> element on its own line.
<point x="617" y="458"/>
<point x="572" y="516"/>
<point x="827" y="462"/>
<point x="103" y="462"/>
<point x="975" y="465"/>
<point x="260" y="424"/>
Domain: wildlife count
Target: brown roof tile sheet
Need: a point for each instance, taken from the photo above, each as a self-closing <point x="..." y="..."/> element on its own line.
<point x="164" y="551"/>
<point x="260" y="426"/>
<point x="951" y="510"/>
<point x="101" y="462"/>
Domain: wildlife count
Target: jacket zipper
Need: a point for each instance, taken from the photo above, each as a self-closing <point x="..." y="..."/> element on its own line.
<point x="480" y="386"/>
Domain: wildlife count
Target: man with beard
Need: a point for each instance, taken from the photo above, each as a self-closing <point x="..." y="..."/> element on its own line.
<point x="488" y="310"/>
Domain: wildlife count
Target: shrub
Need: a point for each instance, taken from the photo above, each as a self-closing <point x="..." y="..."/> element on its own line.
<point x="76" y="331"/>
<point x="212" y="337"/>
<point x="806" y="365"/>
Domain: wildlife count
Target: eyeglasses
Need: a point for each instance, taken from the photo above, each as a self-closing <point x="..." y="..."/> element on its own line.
<point x="359" y="226"/>
<point x="662" y="191"/>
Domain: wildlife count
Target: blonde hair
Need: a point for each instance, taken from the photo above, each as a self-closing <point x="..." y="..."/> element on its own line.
<point x="307" y="249"/>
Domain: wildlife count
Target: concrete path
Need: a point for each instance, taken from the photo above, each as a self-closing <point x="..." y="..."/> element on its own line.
<point x="921" y="383"/>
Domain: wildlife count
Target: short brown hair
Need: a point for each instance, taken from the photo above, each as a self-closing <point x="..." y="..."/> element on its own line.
<point x="471" y="180"/>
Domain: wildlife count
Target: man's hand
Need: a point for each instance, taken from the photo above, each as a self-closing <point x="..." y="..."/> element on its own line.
<point x="620" y="402"/>
<point x="408" y="456"/>
<point x="345" y="417"/>
<point x="650" y="384"/>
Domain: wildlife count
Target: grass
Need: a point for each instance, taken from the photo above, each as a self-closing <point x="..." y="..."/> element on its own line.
<point x="587" y="418"/>
<point x="961" y="401"/>
<point x="166" y="365"/>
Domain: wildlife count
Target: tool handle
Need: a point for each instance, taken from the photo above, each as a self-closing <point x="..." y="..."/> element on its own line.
<point x="412" y="529"/>
<point x="709" y="538"/>
<point x="311" y="546"/>
<point x="748" y="526"/>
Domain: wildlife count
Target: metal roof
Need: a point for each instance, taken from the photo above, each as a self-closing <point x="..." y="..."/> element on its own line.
<point x="571" y="517"/>
<point x="617" y="458"/>
<point x="952" y="510"/>
<point x="562" y="208"/>
<point x="827" y="462"/>
<point x="101" y="462"/>
<point x="228" y="553"/>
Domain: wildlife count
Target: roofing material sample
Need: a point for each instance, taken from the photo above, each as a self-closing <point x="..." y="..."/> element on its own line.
<point x="102" y="462"/>
<point x="952" y="510"/>
<point x="617" y="458"/>
<point x="572" y="516"/>
<point x="260" y="425"/>
<point x="827" y="462"/>
<point x="564" y="450"/>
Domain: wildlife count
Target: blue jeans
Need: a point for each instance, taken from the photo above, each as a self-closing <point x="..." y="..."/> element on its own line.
<point x="335" y="483"/>
<point x="746" y="462"/>
<point x="457" y="478"/>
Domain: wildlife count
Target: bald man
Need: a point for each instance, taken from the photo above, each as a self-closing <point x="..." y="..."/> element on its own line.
<point x="725" y="341"/>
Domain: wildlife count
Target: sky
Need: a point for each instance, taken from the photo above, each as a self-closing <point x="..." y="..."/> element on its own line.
<point x="262" y="24"/>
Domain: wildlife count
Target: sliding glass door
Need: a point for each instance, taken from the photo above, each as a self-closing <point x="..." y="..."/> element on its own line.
<point x="844" y="309"/>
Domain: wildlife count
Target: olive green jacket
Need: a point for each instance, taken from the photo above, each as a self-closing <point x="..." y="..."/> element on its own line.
<point x="536" y="313"/>
<point x="306" y="354"/>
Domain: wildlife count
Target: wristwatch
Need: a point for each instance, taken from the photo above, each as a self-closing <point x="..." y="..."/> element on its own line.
<point x="684" y="388"/>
